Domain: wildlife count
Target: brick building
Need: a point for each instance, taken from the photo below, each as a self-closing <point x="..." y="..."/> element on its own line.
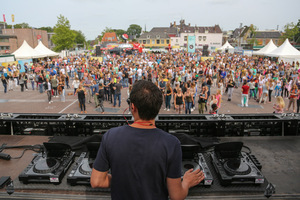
<point x="12" y="39"/>
<point x="109" y="37"/>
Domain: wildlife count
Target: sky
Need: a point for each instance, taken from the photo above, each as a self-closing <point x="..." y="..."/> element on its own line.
<point x="92" y="16"/>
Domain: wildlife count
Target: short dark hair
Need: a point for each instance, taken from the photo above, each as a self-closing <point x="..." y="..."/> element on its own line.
<point x="147" y="98"/>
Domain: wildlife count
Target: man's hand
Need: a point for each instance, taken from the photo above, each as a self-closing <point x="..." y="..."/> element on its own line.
<point x="192" y="178"/>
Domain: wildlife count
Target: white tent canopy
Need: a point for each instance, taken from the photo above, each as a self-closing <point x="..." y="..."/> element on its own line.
<point x="285" y="50"/>
<point x="266" y="49"/>
<point x="44" y="51"/>
<point x="226" y="46"/>
<point x="26" y="52"/>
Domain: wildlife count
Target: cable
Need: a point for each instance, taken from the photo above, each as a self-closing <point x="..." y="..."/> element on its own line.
<point x="20" y="155"/>
<point x="125" y="117"/>
<point x="249" y="150"/>
<point x="36" y="148"/>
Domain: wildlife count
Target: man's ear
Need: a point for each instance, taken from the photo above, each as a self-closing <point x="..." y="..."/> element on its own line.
<point x="132" y="107"/>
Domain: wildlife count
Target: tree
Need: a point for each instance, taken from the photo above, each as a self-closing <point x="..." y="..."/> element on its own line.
<point x="119" y="32"/>
<point x="291" y="31"/>
<point x="22" y="25"/>
<point x="253" y="32"/>
<point x="134" y="30"/>
<point x="64" y="37"/>
<point x="79" y="38"/>
<point x="297" y="36"/>
<point x="47" y="28"/>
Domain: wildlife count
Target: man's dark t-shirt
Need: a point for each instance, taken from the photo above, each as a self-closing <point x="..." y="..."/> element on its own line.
<point x="112" y="85"/>
<point x="140" y="161"/>
<point x="118" y="88"/>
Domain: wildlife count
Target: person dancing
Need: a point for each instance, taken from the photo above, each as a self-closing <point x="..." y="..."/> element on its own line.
<point x="81" y="98"/>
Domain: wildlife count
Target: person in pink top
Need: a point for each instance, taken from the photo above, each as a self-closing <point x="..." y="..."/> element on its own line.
<point x="219" y="98"/>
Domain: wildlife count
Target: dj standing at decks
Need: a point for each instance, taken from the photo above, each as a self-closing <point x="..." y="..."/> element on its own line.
<point x="145" y="162"/>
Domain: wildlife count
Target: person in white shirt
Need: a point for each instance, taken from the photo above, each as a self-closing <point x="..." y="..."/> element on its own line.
<point x="139" y="73"/>
<point x="75" y="84"/>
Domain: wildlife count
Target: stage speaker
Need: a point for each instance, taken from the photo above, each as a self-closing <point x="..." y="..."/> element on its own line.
<point x="98" y="51"/>
<point x="205" y="50"/>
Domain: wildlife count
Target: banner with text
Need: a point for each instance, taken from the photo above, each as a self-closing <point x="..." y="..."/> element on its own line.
<point x="191" y="44"/>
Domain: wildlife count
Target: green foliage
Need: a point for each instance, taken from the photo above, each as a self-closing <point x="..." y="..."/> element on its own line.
<point x="119" y="33"/>
<point x="134" y="30"/>
<point x="22" y="25"/>
<point x="80" y="38"/>
<point x="297" y="36"/>
<point x="47" y="28"/>
<point x="253" y="32"/>
<point x="64" y="37"/>
<point x="292" y="31"/>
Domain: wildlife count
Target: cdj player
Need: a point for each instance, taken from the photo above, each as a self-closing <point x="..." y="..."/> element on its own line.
<point x="198" y="163"/>
<point x="82" y="170"/>
<point x="234" y="166"/>
<point x="49" y="166"/>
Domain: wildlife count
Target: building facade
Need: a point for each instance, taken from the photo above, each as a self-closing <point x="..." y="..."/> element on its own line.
<point x="176" y="36"/>
<point x="256" y="39"/>
<point x="158" y="37"/>
<point x="109" y="37"/>
<point x="7" y="41"/>
<point x="211" y="36"/>
<point x="12" y="39"/>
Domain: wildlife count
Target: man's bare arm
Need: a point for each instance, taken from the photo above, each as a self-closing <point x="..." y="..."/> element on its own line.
<point x="100" y="179"/>
<point x="178" y="189"/>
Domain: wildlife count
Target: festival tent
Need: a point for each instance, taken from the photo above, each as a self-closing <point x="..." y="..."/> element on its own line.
<point x="44" y="51"/>
<point x="266" y="49"/>
<point x="26" y="52"/>
<point x="286" y="50"/>
<point x="225" y="47"/>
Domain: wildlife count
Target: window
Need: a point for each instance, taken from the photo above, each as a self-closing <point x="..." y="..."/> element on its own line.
<point x="200" y="38"/>
<point x="162" y="41"/>
<point x="4" y="47"/>
<point x="204" y="38"/>
<point x="144" y="41"/>
<point x="276" y="42"/>
<point x="157" y="41"/>
<point x="185" y="38"/>
<point x="153" y="41"/>
<point x="113" y="38"/>
<point x="140" y="41"/>
<point x="148" y="41"/>
<point x="168" y="41"/>
<point x="4" y="40"/>
<point x="176" y="40"/>
<point x="157" y="36"/>
<point x="148" y="36"/>
<point x="264" y="42"/>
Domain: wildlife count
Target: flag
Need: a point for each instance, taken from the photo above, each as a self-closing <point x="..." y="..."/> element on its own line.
<point x="191" y="44"/>
<point x="13" y="18"/>
<point x="4" y="18"/>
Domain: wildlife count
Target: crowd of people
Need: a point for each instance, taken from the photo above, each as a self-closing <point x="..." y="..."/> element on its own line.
<point x="184" y="79"/>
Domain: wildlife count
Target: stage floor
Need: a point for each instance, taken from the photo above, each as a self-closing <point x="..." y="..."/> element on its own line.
<point x="280" y="158"/>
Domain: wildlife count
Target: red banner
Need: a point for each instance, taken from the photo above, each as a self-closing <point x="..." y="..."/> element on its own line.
<point x="4" y="18"/>
<point x="136" y="46"/>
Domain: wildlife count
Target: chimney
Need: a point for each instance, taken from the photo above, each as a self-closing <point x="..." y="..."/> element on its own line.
<point x="189" y="24"/>
<point x="174" y="23"/>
